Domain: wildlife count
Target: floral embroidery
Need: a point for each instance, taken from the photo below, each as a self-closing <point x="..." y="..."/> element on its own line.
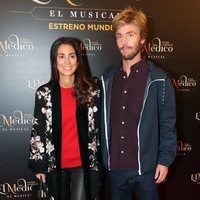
<point x="93" y="144"/>
<point x="48" y="108"/>
<point x="35" y="121"/>
<point x="49" y="147"/>
<point x="37" y="148"/>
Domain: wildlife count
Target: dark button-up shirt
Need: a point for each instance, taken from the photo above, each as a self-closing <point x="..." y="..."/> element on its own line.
<point x="126" y="104"/>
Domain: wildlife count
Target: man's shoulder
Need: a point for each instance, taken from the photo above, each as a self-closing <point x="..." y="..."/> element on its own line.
<point x="156" y="71"/>
<point x="109" y="71"/>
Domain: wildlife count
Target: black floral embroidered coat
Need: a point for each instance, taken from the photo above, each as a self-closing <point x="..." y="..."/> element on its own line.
<point x="45" y="142"/>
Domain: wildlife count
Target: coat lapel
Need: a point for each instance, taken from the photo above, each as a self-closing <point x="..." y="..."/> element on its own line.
<point x="82" y="125"/>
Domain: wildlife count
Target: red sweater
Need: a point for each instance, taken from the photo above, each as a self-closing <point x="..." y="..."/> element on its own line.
<point x="70" y="152"/>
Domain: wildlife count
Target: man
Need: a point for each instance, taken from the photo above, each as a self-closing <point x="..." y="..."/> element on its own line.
<point x="138" y="123"/>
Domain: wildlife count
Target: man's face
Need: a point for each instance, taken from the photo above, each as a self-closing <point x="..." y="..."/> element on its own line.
<point x="129" y="41"/>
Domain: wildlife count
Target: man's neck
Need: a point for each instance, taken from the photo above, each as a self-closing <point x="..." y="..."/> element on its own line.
<point x="126" y="64"/>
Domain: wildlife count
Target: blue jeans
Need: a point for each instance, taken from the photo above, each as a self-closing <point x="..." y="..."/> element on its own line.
<point x="124" y="183"/>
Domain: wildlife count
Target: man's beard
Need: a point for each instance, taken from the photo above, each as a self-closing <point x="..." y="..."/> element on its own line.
<point x="132" y="54"/>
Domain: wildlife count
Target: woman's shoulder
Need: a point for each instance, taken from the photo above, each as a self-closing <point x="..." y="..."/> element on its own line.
<point x="44" y="91"/>
<point x="97" y="86"/>
<point x="96" y="80"/>
<point x="44" y="87"/>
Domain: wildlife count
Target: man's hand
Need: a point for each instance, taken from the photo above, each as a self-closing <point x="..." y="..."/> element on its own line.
<point x="161" y="173"/>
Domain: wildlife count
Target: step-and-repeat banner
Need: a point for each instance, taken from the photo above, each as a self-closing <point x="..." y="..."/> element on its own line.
<point x="27" y="30"/>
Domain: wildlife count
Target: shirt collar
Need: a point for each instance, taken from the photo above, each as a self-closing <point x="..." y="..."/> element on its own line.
<point x="137" y="66"/>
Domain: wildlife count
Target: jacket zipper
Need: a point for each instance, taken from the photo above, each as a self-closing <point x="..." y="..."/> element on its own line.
<point x="138" y="128"/>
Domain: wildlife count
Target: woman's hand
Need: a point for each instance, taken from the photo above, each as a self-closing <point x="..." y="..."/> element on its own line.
<point x="42" y="177"/>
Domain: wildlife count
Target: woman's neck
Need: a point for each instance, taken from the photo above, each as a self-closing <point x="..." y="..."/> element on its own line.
<point x="67" y="82"/>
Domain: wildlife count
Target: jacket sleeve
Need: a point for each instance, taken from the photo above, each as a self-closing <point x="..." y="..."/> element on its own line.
<point x="167" y="123"/>
<point x="37" y="144"/>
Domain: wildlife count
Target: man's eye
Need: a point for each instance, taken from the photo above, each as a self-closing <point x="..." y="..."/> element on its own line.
<point x="118" y="37"/>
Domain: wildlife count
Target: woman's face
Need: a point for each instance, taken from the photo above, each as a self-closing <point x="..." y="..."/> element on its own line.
<point x="66" y="61"/>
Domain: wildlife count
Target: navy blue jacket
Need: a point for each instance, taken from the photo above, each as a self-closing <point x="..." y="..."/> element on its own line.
<point x="156" y="130"/>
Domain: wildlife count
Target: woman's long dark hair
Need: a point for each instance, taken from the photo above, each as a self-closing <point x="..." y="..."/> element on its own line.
<point x="83" y="84"/>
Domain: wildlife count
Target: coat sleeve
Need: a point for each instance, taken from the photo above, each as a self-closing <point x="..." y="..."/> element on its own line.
<point x="167" y="122"/>
<point x="37" y="144"/>
<point x="94" y="130"/>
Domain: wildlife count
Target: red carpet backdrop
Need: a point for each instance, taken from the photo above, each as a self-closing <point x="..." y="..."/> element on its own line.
<point x="27" y="30"/>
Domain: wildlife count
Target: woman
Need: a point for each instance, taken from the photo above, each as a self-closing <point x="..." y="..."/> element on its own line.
<point x="64" y="144"/>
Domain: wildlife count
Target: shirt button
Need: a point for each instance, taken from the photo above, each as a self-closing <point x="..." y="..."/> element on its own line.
<point x="123" y="107"/>
<point x="124" y="77"/>
<point x="122" y="122"/>
<point x="137" y="71"/>
<point x="125" y="91"/>
<point x="122" y="137"/>
<point x="122" y="152"/>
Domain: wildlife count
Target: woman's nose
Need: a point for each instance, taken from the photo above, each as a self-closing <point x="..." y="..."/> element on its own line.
<point x="67" y="60"/>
